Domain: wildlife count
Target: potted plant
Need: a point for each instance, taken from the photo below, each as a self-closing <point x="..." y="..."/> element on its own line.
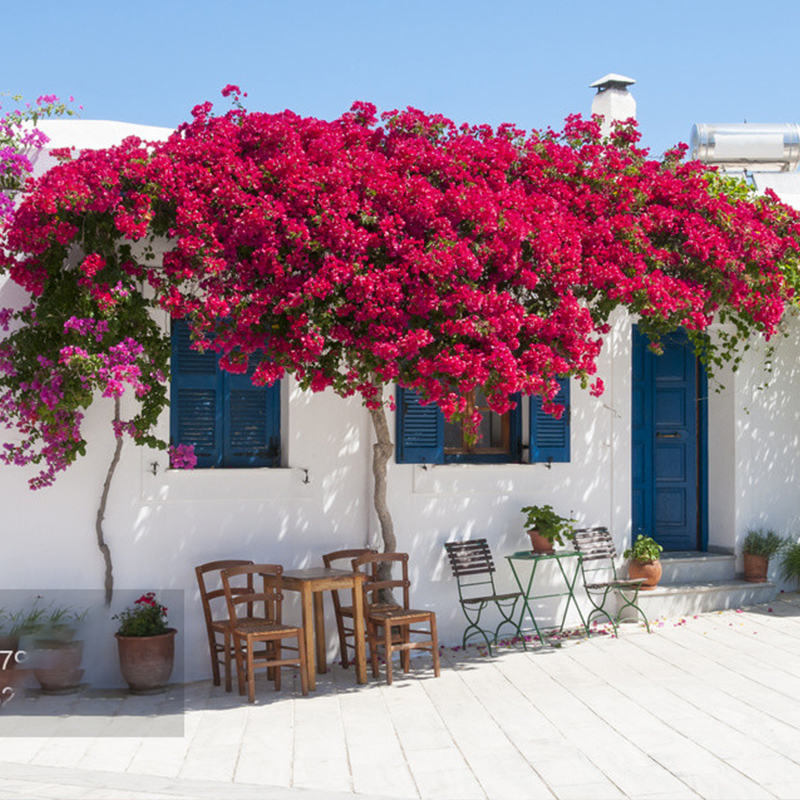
<point x="546" y="528"/>
<point x="57" y="654"/>
<point x="146" y="645"/>
<point x="759" y="546"/>
<point x="790" y="563"/>
<point x="644" y="561"/>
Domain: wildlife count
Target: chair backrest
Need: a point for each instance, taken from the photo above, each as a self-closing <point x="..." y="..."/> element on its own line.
<point x="347" y="556"/>
<point x="596" y="548"/>
<point x="208" y="595"/>
<point x="471" y="563"/>
<point x="329" y="559"/>
<point x="378" y="567"/>
<point x="270" y="596"/>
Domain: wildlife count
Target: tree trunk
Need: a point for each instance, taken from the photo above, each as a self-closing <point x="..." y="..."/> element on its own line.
<point x="101" y="510"/>
<point x="381" y="453"/>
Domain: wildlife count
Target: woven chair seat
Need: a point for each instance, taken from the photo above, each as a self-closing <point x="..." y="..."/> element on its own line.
<point x="222" y="625"/>
<point x="396" y="614"/>
<point x="347" y="611"/>
<point x="262" y="627"/>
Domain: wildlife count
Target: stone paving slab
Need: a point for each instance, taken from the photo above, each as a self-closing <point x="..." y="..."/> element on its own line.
<point x="706" y="706"/>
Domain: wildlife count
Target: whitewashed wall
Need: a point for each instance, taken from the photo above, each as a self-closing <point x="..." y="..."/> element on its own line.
<point x="760" y="453"/>
<point x="161" y="523"/>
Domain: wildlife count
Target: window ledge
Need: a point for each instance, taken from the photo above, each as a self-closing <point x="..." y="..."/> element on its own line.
<point x="215" y="485"/>
<point x="494" y="479"/>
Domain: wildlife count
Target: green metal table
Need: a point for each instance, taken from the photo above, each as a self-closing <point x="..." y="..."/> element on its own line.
<point x="561" y="557"/>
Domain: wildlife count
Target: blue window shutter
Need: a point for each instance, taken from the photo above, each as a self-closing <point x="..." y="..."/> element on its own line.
<point x="196" y="399"/>
<point x="252" y="423"/>
<point x="230" y="422"/>
<point x="550" y="437"/>
<point x="420" y="430"/>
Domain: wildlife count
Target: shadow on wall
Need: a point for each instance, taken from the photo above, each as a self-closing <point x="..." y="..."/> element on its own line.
<point x="265" y="515"/>
<point x="768" y="440"/>
<point x="458" y="502"/>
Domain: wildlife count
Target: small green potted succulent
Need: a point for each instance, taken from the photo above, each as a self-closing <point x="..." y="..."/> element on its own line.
<point x="759" y="547"/>
<point x="644" y="561"/>
<point x="547" y="528"/>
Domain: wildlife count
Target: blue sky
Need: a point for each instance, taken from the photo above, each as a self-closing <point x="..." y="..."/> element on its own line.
<point x="529" y="63"/>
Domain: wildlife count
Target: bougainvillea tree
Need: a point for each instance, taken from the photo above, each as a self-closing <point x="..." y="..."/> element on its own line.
<point x="357" y="253"/>
<point x="20" y="141"/>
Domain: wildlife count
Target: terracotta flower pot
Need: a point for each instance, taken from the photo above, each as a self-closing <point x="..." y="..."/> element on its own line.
<point x="539" y="543"/>
<point x="650" y="571"/>
<point x="146" y="661"/>
<point x="755" y="568"/>
<point x="58" y="670"/>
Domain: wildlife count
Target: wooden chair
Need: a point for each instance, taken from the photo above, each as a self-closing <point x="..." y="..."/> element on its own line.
<point x="598" y="557"/>
<point x="343" y="612"/>
<point x="395" y="620"/>
<point x="246" y="632"/>
<point x="220" y="651"/>
<point x="473" y="568"/>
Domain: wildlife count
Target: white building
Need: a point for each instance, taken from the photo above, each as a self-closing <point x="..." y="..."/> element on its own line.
<point x="731" y="463"/>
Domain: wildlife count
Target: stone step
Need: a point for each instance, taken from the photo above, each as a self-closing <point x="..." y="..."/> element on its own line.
<point x="683" y="599"/>
<point x="695" y="567"/>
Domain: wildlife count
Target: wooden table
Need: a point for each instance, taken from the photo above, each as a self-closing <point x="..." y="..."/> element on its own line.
<point x="311" y="582"/>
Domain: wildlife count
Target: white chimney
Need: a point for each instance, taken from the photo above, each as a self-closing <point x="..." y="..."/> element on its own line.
<point x="613" y="100"/>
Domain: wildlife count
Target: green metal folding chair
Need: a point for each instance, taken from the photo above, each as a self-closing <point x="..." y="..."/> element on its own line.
<point x="474" y="569"/>
<point x="598" y="558"/>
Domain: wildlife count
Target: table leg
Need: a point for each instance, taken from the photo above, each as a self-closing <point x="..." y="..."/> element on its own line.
<point x="571" y="598"/>
<point x="319" y="634"/>
<point x="358" y="631"/>
<point x="308" y="635"/>
<point x="526" y="596"/>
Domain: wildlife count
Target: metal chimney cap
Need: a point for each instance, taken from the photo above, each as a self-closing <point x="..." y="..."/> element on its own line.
<point x="611" y="81"/>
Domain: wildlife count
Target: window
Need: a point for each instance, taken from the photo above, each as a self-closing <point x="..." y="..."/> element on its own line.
<point x="423" y="436"/>
<point x="495" y="440"/>
<point x="230" y="422"/>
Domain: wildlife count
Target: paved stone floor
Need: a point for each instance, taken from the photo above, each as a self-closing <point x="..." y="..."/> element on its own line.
<point x="705" y="707"/>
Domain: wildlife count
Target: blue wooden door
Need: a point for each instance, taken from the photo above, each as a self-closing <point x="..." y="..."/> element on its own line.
<point x="666" y="424"/>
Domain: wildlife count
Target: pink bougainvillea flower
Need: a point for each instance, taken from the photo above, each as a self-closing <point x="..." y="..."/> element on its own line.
<point x="370" y="250"/>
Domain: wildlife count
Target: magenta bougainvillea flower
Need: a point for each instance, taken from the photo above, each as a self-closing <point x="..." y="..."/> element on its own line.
<point x="361" y="251"/>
